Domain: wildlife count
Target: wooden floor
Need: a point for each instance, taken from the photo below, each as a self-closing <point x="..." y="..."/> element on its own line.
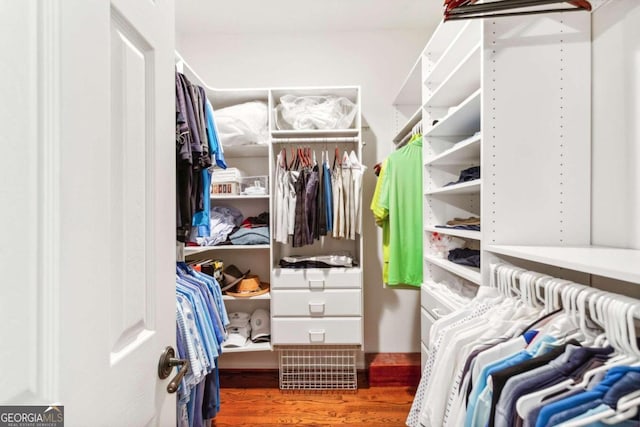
<point x="257" y="401"/>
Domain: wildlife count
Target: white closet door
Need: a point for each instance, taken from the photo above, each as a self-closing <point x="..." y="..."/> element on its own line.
<point x="88" y="299"/>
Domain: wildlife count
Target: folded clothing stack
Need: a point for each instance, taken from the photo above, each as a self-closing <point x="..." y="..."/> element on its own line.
<point x="244" y="327"/>
<point x="471" y="223"/>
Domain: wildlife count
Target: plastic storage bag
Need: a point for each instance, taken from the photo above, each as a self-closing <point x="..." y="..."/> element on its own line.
<point x="243" y="124"/>
<point x="314" y="112"/>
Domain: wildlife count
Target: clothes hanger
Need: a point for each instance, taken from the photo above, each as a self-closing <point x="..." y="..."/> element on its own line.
<point x="467" y="9"/>
<point x="627" y="408"/>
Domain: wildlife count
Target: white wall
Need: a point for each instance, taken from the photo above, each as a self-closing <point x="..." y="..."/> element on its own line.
<point x="616" y="124"/>
<point x="378" y="61"/>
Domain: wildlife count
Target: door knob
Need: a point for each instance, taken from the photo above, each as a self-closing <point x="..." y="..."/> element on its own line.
<point x="167" y="362"/>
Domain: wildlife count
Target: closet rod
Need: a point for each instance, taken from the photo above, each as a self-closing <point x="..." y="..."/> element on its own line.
<point x="404" y="140"/>
<point x="303" y="140"/>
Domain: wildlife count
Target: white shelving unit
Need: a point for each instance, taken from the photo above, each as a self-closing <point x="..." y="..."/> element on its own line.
<point x="469" y="187"/>
<point x="472" y="274"/>
<point x="514" y="102"/>
<point x="465" y="234"/>
<point x="308" y="305"/>
<point x="251" y="346"/>
<point x="615" y="263"/>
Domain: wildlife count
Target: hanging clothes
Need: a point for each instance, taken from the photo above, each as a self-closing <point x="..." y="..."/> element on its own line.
<point x="501" y="362"/>
<point x="197" y="149"/>
<point x="400" y="200"/>
<point x="201" y="322"/>
<point x="312" y="200"/>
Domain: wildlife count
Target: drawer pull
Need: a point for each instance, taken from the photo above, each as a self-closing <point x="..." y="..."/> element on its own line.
<point x="316" y="284"/>
<point x="316" y="335"/>
<point x="316" y="307"/>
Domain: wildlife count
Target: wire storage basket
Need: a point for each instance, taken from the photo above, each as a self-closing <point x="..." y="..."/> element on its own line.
<point x="318" y="368"/>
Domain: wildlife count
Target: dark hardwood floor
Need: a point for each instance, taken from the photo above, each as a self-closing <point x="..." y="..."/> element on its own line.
<point x="254" y="399"/>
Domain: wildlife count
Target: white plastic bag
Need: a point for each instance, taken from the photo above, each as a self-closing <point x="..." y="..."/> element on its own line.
<point x="314" y="112"/>
<point x="242" y="124"/>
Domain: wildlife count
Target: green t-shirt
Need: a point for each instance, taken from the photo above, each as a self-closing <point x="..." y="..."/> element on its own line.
<point x="401" y="195"/>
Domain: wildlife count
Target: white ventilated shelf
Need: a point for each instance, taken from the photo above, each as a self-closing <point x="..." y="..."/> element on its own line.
<point x="266" y="296"/>
<point x="251" y="346"/>
<point x="239" y="197"/>
<point x="415" y="118"/>
<point x="463" y="80"/>
<point x="254" y="150"/>
<point x="469" y="187"/>
<point x="466" y="234"/>
<point x="410" y="92"/>
<point x="464" y="152"/>
<point x="193" y="250"/>
<point x="316" y="133"/>
<point x="472" y="274"/>
<point x="463" y="120"/>
<point x="616" y="263"/>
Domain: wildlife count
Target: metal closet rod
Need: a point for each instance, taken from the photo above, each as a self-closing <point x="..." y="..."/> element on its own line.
<point x="303" y="140"/>
<point x="470" y="11"/>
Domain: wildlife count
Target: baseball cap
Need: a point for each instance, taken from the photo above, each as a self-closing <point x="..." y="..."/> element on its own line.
<point x="237" y="337"/>
<point x="260" y="326"/>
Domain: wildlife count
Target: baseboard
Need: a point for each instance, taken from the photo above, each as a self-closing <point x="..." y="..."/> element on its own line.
<point x="382" y="370"/>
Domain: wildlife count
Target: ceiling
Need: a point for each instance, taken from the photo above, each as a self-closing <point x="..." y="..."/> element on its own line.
<point x="251" y="16"/>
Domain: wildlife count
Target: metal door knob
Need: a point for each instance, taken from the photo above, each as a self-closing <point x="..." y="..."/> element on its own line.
<point x="166" y="364"/>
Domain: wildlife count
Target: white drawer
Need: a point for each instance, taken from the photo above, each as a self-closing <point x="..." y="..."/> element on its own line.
<point x="316" y="331"/>
<point x="426" y="320"/>
<point x="316" y="303"/>
<point x="316" y="278"/>
<point x="434" y="304"/>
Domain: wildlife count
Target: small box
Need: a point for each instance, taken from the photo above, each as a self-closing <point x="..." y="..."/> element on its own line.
<point x="254" y="185"/>
<point x="225" y="188"/>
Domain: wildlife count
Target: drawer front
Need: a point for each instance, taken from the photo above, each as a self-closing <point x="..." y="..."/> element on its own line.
<point x="316" y="331"/>
<point x="426" y="320"/>
<point x="316" y="303"/>
<point x="433" y="303"/>
<point x="316" y="278"/>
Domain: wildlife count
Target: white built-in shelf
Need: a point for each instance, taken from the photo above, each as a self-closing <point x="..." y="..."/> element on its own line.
<point x="463" y="120"/>
<point x="251" y="346"/>
<point x="410" y="92"/>
<point x="466" y="234"/>
<point x="441" y="39"/>
<point x="616" y="263"/>
<point x="459" y="49"/>
<point x="253" y="150"/>
<point x="193" y="250"/>
<point x="221" y="98"/>
<point x="472" y="274"/>
<point x="266" y="296"/>
<point x="468" y="187"/>
<point x="464" y="152"/>
<point x="462" y="81"/>
<point x="238" y="197"/>
<point x="415" y="118"/>
<point x="315" y="133"/>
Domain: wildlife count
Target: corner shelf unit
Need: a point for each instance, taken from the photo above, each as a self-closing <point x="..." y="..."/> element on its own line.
<point x="514" y="101"/>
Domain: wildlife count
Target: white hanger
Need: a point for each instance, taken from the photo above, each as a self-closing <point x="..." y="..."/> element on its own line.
<point x="627" y="408"/>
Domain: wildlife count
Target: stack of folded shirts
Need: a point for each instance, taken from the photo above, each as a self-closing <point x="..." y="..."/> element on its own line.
<point x="226" y="175"/>
<point x="471" y="223"/>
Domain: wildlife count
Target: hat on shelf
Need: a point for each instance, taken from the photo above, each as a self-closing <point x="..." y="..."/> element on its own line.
<point x="260" y="326"/>
<point x="231" y="276"/>
<point x="250" y="286"/>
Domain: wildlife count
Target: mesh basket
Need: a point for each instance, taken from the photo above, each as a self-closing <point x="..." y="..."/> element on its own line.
<point x="318" y="368"/>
